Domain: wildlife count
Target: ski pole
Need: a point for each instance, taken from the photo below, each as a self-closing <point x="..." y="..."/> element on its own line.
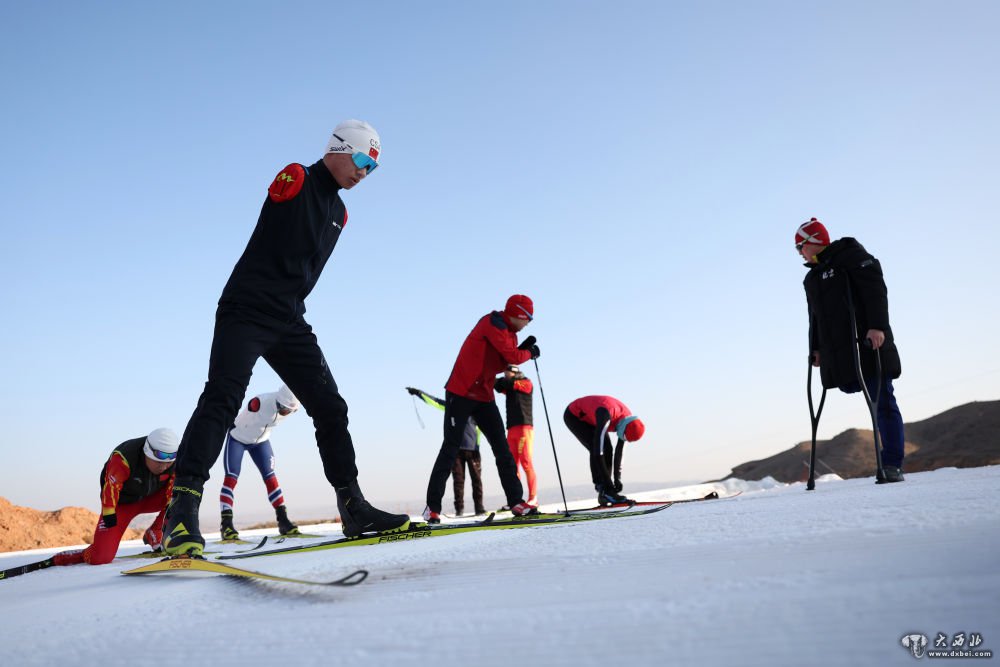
<point x="872" y="405"/>
<point x="417" y="412"/>
<point x="814" y="418"/>
<point x="551" y="439"/>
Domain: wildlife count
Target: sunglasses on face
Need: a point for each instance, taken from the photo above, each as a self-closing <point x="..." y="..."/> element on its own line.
<point x="800" y="246"/>
<point x="163" y="456"/>
<point x="361" y="160"/>
<point x="284" y="410"/>
<point x="366" y="162"/>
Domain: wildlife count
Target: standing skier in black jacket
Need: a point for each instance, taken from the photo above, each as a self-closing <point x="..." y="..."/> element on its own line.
<point x="260" y="314"/>
<point x="843" y="273"/>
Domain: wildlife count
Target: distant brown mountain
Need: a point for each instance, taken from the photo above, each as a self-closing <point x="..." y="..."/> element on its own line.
<point x="964" y="437"/>
<point x="25" y="528"/>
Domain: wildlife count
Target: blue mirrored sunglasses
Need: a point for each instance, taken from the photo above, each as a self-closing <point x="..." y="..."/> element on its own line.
<point x="163" y="456"/>
<point x="362" y="161"/>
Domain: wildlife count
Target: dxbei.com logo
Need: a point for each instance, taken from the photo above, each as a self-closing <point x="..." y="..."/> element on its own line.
<point x="961" y="645"/>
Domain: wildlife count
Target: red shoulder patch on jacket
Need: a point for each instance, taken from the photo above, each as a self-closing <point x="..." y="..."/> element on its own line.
<point x="287" y="184"/>
<point x="523" y="386"/>
<point x="254" y="405"/>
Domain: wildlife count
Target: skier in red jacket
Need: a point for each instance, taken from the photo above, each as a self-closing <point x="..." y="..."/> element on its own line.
<point x="137" y="478"/>
<point x="590" y="419"/>
<point x="489" y="347"/>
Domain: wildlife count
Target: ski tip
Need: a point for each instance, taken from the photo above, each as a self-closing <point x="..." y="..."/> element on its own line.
<point x="353" y="579"/>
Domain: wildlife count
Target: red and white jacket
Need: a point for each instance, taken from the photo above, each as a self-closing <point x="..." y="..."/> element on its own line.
<point x="255" y="421"/>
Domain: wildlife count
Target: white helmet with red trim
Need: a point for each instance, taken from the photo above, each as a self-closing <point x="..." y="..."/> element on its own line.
<point x="355" y="136"/>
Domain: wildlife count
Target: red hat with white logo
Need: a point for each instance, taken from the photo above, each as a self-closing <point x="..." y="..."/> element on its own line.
<point x="519" y="306"/>
<point x="812" y="233"/>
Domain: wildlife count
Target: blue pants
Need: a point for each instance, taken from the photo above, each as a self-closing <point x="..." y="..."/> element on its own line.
<point x="262" y="455"/>
<point x="890" y="421"/>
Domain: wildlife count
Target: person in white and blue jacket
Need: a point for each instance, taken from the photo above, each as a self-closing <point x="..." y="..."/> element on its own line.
<point x="251" y="434"/>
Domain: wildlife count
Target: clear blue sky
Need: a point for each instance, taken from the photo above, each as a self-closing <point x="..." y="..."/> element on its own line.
<point x="637" y="168"/>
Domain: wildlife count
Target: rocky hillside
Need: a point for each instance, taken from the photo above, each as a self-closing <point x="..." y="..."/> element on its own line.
<point x="964" y="437"/>
<point x="23" y="528"/>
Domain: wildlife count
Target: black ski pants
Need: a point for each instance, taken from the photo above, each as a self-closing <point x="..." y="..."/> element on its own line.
<point x="457" y="410"/>
<point x="590" y="437"/>
<point x="243" y="335"/>
<point x="472" y="459"/>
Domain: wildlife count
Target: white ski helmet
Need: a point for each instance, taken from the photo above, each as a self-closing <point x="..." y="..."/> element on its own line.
<point x="161" y="445"/>
<point x="287" y="398"/>
<point x="355" y="136"/>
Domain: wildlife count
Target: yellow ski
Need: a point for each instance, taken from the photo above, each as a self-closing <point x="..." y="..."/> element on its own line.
<point x="181" y="564"/>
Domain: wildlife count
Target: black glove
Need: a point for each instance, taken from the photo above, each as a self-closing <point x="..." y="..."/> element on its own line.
<point x="412" y="391"/>
<point x="618" y="486"/>
<point x="535" y="352"/>
<point x="110" y="520"/>
<point x="527" y="343"/>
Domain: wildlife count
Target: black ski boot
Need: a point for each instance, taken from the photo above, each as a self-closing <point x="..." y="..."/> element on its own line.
<point x="226" y="528"/>
<point x="358" y="516"/>
<point x="181" y="536"/>
<point x="893" y="474"/>
<point x="610" y="497"/>
<point x="285" y="525"/>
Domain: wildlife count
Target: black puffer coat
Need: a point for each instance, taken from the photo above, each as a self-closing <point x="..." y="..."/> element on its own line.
<point x="847" y="272"/>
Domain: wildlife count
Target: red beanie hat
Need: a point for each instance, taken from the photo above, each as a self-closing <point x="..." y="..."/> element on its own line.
<point x="634" y="430"/>
<point x="812" y="232"/>
<point x="519" y="306"/>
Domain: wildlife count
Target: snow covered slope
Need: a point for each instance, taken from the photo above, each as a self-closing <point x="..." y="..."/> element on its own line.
<point x="776" y="576"/>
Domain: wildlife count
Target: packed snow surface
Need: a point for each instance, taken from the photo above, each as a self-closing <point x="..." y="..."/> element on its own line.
<point x="774" y="576"/>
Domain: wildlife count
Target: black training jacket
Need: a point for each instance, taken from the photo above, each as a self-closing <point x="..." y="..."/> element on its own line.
<point x="518" y="391"/>
<point x="845" y="267"/>
<point x="298" y="227"/>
